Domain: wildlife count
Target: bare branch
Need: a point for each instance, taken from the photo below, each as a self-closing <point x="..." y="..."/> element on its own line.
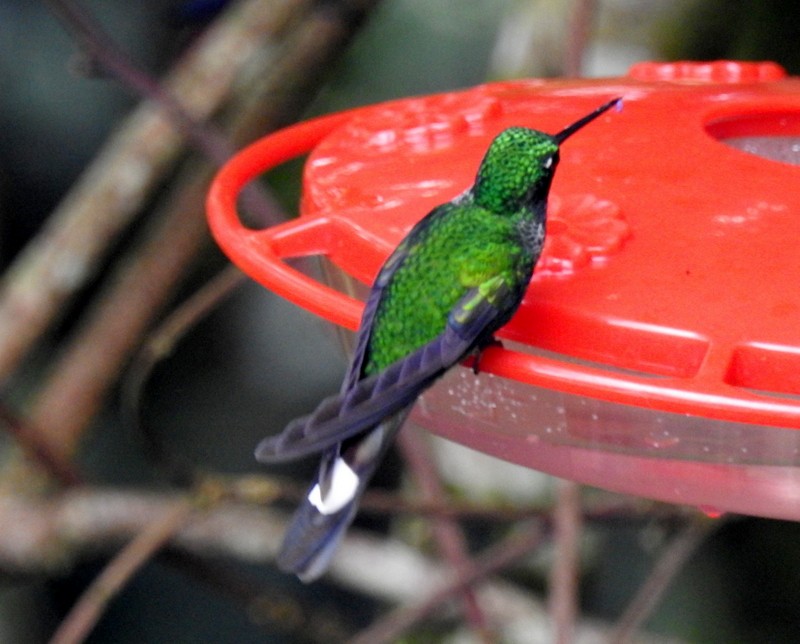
<point x="161" y="341"/>
<point x="675" y="556"/>
<point x="65" y="254"/>
<point x="452" y="545"/>
<point x="121" y="314"/>
<point x="205" y="136"/>
<point x="388" y="629"/>
<point x="105" y="52"/>
<point x="564" y="572"/>
<point x="143" y="284"/>
<point x="47" y="535"/>
<point x="90" y="606"/>
<point x="32" y="442"/>
<point x="39" y="535"/>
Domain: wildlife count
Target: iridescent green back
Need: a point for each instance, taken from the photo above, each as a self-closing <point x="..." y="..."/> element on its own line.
<point x="459" y="248"/>
<point x="464" y="243"/>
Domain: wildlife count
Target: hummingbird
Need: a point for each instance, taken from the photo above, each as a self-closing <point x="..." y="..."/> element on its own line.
<point x="452" y="282"/>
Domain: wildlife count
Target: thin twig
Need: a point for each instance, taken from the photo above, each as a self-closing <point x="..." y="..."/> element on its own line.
<point x="48" y="535"/>
<point x="39" y="535"/>
<point x="65" y="254"/>
<point x="563" y="601"/>
<point x="138" y="289"/>
<point x="388" y="629"/>
<point x="601" y="509"/>
<point x="30" y="440"/>
<point x="677" y="553"/>
<point x="416" y="450"/>
<point x="90" y="606"/>
<point x="162" y="340"/>
<point x="142" y="285"/>
<point x="105" y="52"/>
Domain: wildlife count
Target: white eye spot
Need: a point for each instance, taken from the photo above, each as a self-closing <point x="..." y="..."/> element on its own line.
<point x="548" y="163"/>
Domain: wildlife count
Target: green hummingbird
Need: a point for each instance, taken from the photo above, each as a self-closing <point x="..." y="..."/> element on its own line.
<point x="452" y="282"/>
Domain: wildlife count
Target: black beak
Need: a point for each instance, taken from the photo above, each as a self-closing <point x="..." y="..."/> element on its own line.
<point x="577" y="125"/>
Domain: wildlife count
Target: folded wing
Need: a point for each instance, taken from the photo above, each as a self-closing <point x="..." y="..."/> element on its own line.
<point x="371" y="399"/>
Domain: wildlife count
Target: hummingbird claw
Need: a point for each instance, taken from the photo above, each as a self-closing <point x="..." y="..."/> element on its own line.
<point x="491" y="342"/>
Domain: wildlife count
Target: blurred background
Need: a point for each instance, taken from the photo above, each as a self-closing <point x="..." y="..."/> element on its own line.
<point x="99" y="396"/>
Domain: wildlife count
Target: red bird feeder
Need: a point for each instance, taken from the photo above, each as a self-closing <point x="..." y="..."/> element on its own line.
<point x="657" y="351"/>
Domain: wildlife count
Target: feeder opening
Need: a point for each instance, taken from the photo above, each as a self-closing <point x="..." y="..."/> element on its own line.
<point x="772" y="135"/>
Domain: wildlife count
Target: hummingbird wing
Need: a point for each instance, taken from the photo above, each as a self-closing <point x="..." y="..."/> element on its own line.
<point x="355" y="372"/>
<point x="369" y="400"/>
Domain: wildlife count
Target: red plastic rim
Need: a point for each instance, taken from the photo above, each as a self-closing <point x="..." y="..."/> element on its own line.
<point x="696" y="288"/>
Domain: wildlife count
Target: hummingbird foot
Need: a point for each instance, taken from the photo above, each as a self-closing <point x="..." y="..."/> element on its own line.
<point x="476" y="361"/>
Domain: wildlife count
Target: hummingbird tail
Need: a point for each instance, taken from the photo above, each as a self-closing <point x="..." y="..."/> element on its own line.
<point x="312" y="539"/>
<point x="330" y="506"/>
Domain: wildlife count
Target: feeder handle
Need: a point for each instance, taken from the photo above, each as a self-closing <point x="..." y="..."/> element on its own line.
<point x="260" y="253"/>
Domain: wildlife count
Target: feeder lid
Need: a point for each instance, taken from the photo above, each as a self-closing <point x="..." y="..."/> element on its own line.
<point x="670" y="275"/>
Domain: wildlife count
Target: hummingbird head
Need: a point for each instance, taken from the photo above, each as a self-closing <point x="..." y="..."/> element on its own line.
<point x="519" y="165"/>
<point x="516" y="171"/>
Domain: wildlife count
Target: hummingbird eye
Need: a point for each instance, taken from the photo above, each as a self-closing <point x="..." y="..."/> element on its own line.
<point x="547" y="163"/>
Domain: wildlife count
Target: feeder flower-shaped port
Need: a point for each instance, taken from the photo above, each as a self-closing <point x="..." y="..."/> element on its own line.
<point x="581" y="230"/>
